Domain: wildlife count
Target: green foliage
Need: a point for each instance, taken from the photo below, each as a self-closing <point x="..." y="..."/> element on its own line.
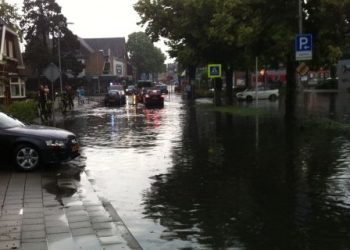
<point x="22" y="110"/>
<point x="42" y="24"/>
<point x="200" y="93"/>
<point x="9" y="13"/>
<point x="144" y="55"/>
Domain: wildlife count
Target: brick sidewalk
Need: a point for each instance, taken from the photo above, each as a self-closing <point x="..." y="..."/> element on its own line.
<point x="51" y="210"/>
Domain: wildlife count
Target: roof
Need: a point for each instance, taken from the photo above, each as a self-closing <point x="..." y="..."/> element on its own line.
<point x="115" y="44"/>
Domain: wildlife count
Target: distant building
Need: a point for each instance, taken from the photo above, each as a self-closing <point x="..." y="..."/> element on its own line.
<point x="12" y="84"/>
<point x="105" y="61"/>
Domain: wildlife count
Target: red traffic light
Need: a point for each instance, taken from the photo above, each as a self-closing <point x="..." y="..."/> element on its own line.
<point x="262" y="72"/>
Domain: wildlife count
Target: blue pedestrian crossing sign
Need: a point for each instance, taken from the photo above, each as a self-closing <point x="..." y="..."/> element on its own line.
<point x="303" y="47"/>
<point x="214" y="70"/>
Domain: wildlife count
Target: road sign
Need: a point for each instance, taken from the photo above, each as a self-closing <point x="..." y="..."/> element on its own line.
<point x="52" y="72"/>
<point x="302" y="69"/>
<point x="214" y="70"/>
<point x="303" y="47"/>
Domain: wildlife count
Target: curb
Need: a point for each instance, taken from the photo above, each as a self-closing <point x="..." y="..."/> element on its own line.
<point x="119" y="223"/>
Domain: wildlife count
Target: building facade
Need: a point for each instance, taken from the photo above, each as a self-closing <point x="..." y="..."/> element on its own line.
<point x="12" y="84"/>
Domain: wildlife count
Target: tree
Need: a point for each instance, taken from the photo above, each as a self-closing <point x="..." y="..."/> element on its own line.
<point x="144" y="55"/>
<point x="9" y="13"/>
<point x="43" y="24"/>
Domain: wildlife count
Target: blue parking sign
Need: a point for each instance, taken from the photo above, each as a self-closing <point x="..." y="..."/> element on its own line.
<point x="303" y="47"/>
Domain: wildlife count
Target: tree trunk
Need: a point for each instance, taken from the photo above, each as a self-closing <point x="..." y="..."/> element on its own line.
<point x="229" y="84"/>
<point x="291" y="89"/>
<point x="217" y="91"/>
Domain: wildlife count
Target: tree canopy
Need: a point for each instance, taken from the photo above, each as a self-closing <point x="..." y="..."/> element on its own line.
<point x="9" y="13"/>
<point x="144" y="55"/>
<point x="43" y="24"/>
<point x="234" y="32"/>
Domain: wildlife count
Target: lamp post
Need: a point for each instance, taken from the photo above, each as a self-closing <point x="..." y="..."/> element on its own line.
<point x="60" y="25"/>
<point x="59" y="56"/>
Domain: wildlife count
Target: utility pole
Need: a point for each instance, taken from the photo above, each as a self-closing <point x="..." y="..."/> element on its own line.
<point x="300" y="16"/>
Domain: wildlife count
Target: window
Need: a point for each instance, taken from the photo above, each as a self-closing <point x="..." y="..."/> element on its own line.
<point x="10" y="54"/>
<point x="17" y="87"/>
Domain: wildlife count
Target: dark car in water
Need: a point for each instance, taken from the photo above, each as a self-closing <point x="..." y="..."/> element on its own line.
<point x="153" y="98"/>
<point x="115" y="96"/>
<point x="131" y="90"/>
<point x="163" y="88"/>
<point x="29" y="146"/>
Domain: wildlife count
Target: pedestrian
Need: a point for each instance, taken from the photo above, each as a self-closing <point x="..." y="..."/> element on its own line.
<point x="70" y="95"/>
<point x="42" y="99"/>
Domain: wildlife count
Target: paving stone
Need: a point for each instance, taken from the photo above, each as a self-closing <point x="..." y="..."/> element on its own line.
<point x="105" y="232"/>
<point x="11" y="211"/>
<point x="82" y="231"/>
<point x="10" y="223"/>
<point x="101" y="219"/>
<point x="33" y="200"/>
<point x="56" y="223"/>
<point x="72" y="208"/>
<point x="33" y="210"/>
<point x="80" y="224"/>
<point x="33" y="215"/>
<point x="10" y="244"/>
<point x="33" y="221"/>
<point x="78" y="218"/>
<point x="33" y="205"/>
<point x="35" y="227"/>
<point x="98" y="213"/>
<point x="102" y="225"/>
<point x="76" y="213"/>
<point x="34" y="246"/>
<point x="33" y="234"/>
<point x="109" y="240"/>
<point x="87" y="242"/>
<point x="57" y="230"/>
<point x="8" y="230"/>
<point x="115" y="247"/>
<point x="53" y="210"/>
<point x="10" y="236"/>
<point x="61" y="241"/>
<point x="34" y="240"/>
<point x="10" y="217"/>
<point x="54" y="217"/>
<point x="94" y="208"/>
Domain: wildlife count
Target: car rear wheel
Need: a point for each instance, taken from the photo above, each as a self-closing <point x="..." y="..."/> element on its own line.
<point x="249" y="98"/>
<point x="26" y="157"/>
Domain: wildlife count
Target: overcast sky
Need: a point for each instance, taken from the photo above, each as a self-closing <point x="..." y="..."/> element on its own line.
<point x="99" y="18"/>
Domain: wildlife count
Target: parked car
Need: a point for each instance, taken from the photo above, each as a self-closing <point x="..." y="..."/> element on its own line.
<point x="130" y="90"/>
<point x="163" y="88"/>
<point x="29" y="146"/>
<point x="262" y="93"/>
<point x="153" y="98"/>
<point x="115" y="96"/>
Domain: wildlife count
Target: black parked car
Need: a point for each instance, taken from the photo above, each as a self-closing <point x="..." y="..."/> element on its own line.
<point x="115" y="96"/>
<point x="29" y="146"/>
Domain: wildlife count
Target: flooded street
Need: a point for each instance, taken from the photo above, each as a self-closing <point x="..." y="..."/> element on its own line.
<point x="185" y="177"/>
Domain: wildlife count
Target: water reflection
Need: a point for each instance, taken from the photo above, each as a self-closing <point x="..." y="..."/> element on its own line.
<point x="222" y="192"/>
<point x="185" y="177"/>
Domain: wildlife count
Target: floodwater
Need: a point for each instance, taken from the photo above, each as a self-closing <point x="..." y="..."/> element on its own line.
<point x="185" y="177"/>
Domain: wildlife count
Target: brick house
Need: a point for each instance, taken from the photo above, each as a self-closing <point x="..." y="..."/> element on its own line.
<point x="12" y="84"/>
<point x="105" y="61"/>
